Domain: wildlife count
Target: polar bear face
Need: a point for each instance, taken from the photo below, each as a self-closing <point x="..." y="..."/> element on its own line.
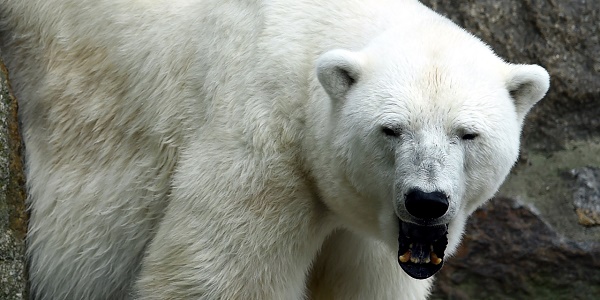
<point x="423" y="133"/>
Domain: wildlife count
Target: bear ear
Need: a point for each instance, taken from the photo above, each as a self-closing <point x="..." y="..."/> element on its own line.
<point x="527" y="84"/>
<point x="338" y="70"/>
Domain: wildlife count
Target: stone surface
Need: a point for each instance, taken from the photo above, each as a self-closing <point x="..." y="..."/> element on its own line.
<point x="538" y="240"/>
<point x="509" y="252"/>
<point x="586" y="197"/>
<point x="13" y="217"/>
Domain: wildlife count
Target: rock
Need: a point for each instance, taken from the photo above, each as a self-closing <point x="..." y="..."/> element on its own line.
<point x="509" y="252"/>
<point x="587" y="195"/>
<point x="13" y="217"/>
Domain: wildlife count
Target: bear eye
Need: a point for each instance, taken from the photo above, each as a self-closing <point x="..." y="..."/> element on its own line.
<point x="469" y="136"/>
<point x="390" y="132"/>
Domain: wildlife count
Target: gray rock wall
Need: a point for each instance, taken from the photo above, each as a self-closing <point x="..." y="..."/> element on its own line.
<point x="13" y="218"/>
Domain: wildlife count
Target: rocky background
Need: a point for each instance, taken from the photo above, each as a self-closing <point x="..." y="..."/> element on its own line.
<point x="540" y="238"/>
<point x="13" y="218"/>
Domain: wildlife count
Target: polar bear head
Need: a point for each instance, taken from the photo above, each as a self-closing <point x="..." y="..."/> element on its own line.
<point x="424" y="126"/>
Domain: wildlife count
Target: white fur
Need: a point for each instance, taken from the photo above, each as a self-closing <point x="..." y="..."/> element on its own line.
<point x="215" y="149"/>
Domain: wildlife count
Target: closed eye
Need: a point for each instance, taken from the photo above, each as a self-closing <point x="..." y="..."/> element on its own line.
<point x="390" y="132"/>
<point x="469" y="136"/>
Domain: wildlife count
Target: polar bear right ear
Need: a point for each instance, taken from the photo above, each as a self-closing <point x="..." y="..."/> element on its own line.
<point x="527" y="84"/>
<point x="338" y="70"/>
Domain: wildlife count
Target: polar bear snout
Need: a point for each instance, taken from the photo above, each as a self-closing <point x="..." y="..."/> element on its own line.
<point x="425" y="205"/>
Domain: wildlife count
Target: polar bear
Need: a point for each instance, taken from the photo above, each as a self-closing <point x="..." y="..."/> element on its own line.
<point x="227" y="149"/>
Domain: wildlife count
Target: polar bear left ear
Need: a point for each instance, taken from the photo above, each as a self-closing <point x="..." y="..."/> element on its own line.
<point x="527" y="84"/>
<point x="338" y="70"/>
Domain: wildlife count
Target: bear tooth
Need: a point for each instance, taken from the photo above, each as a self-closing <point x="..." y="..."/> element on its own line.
<point x="404" y="257"/>
<point x="435" y="259"/>
<point x="414" y="260"/>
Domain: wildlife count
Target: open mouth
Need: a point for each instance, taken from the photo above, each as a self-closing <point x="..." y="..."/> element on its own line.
<point x="421" y="249"/>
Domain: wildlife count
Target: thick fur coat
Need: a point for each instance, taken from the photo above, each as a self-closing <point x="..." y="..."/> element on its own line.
<point x="228" y="149"/>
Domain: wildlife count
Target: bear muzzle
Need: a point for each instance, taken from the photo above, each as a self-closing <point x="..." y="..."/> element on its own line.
<point x="421" y="249"/>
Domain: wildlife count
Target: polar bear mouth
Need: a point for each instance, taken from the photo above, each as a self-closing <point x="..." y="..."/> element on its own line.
<point x="421" y="249"/>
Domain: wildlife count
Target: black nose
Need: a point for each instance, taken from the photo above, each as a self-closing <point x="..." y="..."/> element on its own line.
<point x="426" y="205"/>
